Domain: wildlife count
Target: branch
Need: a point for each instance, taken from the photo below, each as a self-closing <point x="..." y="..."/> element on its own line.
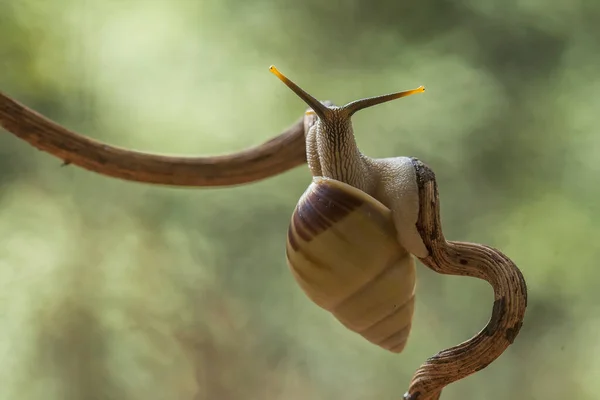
<point x="465" y="259"/>
<point x="284" y="152"/>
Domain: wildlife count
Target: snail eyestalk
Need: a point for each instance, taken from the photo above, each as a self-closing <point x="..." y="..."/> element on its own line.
<point x="357" y="105"/>
<point x="321" y="110"/>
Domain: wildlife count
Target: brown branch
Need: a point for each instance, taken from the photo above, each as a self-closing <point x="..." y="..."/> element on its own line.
<point x="275" y="156"/>
<point x="474" y="260"/>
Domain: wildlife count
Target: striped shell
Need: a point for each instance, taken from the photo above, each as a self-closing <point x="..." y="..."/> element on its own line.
<point x="343" y="252"/>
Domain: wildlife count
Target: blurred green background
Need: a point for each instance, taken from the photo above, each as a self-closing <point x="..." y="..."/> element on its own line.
<point x="118" y="290"/>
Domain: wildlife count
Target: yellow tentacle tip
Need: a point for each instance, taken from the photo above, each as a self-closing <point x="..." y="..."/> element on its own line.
<point x="420" y="89"/>
<point x="275" y="71"/>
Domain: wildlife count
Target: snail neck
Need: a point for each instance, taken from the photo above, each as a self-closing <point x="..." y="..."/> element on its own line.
<point x="332" y="153"/>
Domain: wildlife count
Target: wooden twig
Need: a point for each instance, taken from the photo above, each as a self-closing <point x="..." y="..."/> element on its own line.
<point x="465" y="259"/>
<point x="284" y="152"/>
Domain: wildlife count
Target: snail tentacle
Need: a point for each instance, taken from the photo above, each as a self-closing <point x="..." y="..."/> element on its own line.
<point x="465" y="259"/>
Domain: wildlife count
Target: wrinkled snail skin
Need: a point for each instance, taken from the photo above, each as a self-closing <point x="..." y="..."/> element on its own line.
<point x="343" y="252"/>
<point x="392" y="181"/>
<point x="398" y="190"/>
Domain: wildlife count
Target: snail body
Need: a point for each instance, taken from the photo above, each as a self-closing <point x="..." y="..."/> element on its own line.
<point x="353" y="233"/>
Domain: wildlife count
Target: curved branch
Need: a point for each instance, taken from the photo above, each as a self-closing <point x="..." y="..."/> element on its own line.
<point x="284" y="152"/>
<point x="466" y="259"/>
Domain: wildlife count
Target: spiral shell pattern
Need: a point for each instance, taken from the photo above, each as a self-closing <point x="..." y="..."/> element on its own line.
<point x="343" y="252"/>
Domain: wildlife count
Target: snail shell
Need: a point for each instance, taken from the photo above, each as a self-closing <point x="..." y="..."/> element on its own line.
<point x="343" y="252"/>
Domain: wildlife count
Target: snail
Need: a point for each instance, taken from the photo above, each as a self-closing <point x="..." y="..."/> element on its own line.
<point x="354" y="234"/>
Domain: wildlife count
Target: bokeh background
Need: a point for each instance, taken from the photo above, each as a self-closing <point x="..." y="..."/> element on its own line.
<point x="118" y="290"/>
